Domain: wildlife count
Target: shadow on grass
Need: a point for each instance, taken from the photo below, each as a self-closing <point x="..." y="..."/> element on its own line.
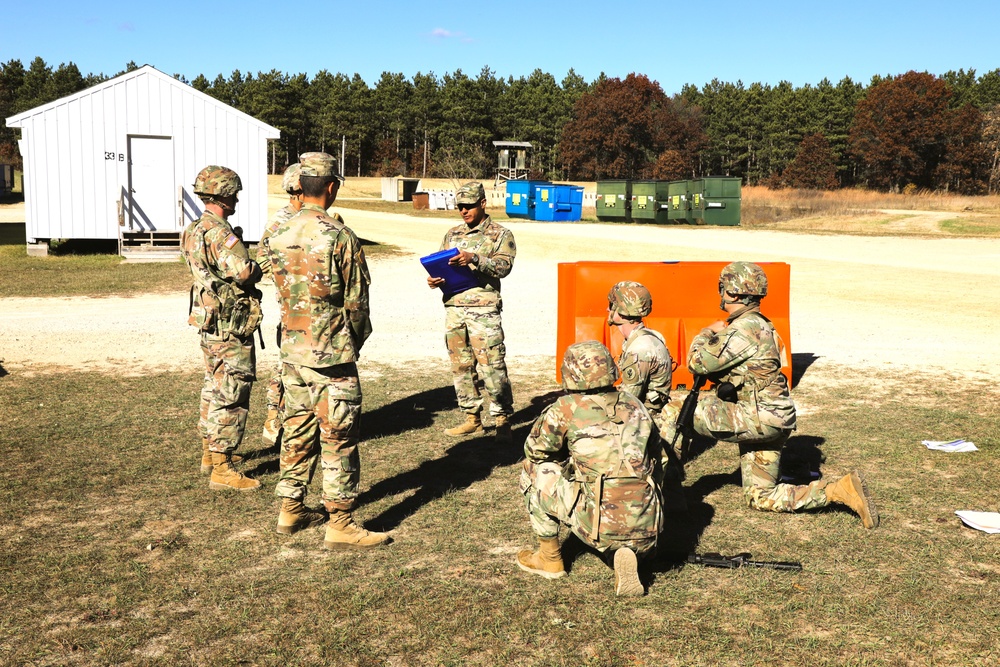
<point x="801" y="458"/>
<point x="12" y="233"/>
<point x="465" y="463"/>
<point x="801" y="362"/>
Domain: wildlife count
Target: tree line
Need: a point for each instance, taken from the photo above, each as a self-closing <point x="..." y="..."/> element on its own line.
<point x="897" y="133"/>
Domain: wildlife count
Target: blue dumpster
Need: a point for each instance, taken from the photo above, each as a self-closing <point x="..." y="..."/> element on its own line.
<point x="558" y="203"/>
<point x="520" y="198"/>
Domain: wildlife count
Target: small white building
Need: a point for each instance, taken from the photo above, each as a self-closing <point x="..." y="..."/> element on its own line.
<point x="118" y="160"/>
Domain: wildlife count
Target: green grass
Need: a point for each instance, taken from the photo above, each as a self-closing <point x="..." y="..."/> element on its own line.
<point x="85" y="275"/>
<point x="114" y="551"/>
<point x="978" y="226"/>
<point x="82" y="268"/>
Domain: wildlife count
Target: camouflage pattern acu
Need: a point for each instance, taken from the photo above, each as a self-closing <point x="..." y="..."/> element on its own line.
<point x="589" y="464"/>
<point x="475" y="341"/>
<point x="749" y="354"/>
<point x="588" y="365"/>
<point x="322" y="281"/>
<point x="220" y="268"/>
<point x="321" y="420"/>
<point x="646" y="368"/>
<point x="322" y="165"/>
<point x="217" y="181"/>
<point x="280" y="218"/>
<point x="494" y="248"/>
<point x="743" y="278"/>
<point x="630" y="299"/>
<point x="230" y="365"/>
<point x="762" y="491"/>
<point x="290" y="179"/>
<point x="470" y="193"/>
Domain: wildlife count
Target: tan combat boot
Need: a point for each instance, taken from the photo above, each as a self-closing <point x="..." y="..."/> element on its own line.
<point x="272" y="427"/>
<point x="627" y="582"/>
<point x="295" y="516"/>
<point x="226" y="478"/>
<point x="206" y="457"/>
<point x="472" y="424"/>
<point x="546" y="562"/>
<point x="502" y="423"/>
<point x="343" y="533"/>
<point x="852" y="491"/>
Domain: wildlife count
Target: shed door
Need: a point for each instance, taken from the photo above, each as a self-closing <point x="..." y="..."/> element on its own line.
<point x="152" y="205"/>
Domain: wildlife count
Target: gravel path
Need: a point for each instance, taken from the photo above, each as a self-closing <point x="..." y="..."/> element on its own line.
<point x="898" y="304"/>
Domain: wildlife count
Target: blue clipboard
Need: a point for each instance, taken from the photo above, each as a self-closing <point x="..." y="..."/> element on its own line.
<point x="457" y="279"/>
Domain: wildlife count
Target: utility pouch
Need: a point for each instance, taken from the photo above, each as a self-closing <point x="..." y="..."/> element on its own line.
<point x="203" y="318"/>
<point x="245" y="316"/>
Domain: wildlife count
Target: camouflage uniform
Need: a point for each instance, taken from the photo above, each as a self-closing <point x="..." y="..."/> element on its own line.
<point x="646" y="368"/>
<point x="473" y="329"/>
<point x="589" y="464"/>
<point x="758" y="412"/>
<point x="290" y="184"/>
<point x="223" y="272"/>
<point x="322" y="282"/>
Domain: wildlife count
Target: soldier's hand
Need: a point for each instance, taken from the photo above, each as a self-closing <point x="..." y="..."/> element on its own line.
<point x="463" y="258"/>
<point x="434" y="283"/>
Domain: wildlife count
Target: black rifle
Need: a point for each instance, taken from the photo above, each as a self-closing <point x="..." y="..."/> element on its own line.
<point x="739" y="560"/>
<point x="684" y="427"/>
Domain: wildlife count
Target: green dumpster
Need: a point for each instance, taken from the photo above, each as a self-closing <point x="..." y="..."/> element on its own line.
<point x="614" y="200"/>
<point x="650" y="201"/>
<point x="718" y="201"/>
<point x="678" y="202"/>
<point x="696" y="198"/>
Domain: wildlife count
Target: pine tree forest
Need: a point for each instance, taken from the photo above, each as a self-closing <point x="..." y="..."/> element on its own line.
<point x="899" y="133"/>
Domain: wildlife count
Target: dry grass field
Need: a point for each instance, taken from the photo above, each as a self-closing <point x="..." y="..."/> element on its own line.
<point x="113" y="551"/>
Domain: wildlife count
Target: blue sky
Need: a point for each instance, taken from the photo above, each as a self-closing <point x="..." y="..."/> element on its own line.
<point x="672" y="42"/>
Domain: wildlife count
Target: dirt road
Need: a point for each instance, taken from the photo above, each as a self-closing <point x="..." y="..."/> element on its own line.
<point x="899" y="304"/>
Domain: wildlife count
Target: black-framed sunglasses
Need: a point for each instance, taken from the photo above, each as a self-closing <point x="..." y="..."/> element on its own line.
<point x="467" y="207"/>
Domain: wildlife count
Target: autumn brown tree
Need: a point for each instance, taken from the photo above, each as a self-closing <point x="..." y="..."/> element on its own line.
<point x="622" y="127"/>
<point x="905" y="132"/>
<point x="814" y="166"/>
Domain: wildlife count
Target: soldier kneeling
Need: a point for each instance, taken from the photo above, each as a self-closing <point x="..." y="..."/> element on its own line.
<point x="589" y="464"/>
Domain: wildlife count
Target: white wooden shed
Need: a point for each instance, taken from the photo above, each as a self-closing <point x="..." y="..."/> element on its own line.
<point x="117" y="161"/>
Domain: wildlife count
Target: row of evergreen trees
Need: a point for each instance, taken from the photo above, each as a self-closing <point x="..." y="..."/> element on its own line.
<point x="913" y="130"/>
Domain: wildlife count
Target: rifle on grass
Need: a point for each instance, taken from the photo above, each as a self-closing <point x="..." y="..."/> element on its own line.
<point x="740" y="560"/>
<point x="684" y="426"/>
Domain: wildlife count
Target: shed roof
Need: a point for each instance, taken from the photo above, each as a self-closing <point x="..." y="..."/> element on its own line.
<point x="145" y="70"/>
<point x="512" y="144"/>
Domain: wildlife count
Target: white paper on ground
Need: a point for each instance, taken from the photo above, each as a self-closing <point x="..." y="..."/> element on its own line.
<point x="959" y="445"/>
<point x="988" y="522"/>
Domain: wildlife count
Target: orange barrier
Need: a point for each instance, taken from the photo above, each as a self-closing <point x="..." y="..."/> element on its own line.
<point x="685" y="300"/>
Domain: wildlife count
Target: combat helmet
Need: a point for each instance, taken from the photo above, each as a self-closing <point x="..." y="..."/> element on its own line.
<point x="290" y="179"/>
<point x="743" y="279"/>
<point x="588" y="365"/>
<point x="216" y="181"/>
<point x="630" y="299"/>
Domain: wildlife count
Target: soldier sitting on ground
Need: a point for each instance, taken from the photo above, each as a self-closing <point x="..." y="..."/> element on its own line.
<point x="750" y="404"/>
<point x="589" y="465"/>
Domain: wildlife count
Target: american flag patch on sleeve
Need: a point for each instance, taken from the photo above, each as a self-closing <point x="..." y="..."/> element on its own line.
<point x="231" y="241"/>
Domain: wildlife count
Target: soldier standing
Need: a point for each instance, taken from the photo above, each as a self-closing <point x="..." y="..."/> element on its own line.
<point x="275" y="391"/>
<point x="473" y="329"/>
<point x="322" y="281"/>
<point x="589" y="464"/>
<point x="751" y="405"/>
<point x="225" y="307"/>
